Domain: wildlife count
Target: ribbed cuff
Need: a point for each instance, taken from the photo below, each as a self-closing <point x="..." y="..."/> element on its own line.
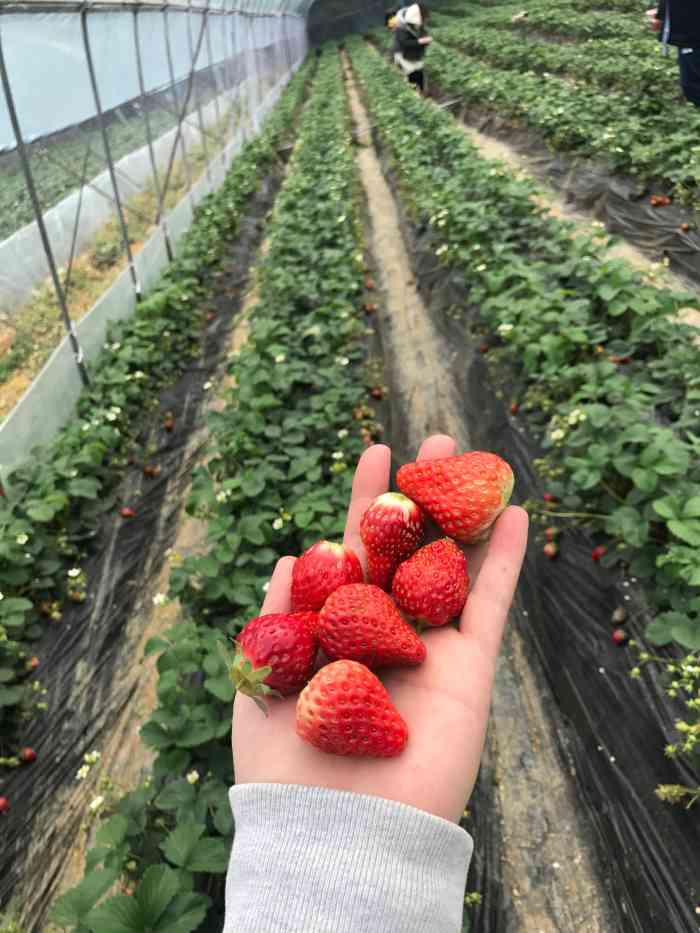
<point x="313" y="860"/>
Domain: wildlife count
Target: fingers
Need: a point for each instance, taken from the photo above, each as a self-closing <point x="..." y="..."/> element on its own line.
<point x="484" y="617"/>
<point x="279" y="593"/>
<point x="437" y="446"/>
<point x="371" y="480"/>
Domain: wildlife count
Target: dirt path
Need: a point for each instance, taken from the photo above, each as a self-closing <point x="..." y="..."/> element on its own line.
<point x="547" y="860"/>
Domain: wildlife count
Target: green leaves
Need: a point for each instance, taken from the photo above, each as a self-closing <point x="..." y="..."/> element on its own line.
<point x="186" y="848"/>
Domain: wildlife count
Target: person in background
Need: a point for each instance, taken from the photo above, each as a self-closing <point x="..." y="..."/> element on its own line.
<point x="325" y="844"/>
<point x="678" y="23"/>
<point x="410" y="42"/>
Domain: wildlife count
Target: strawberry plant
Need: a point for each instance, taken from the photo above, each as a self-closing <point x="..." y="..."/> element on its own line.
<point x="271" y="485"/>
<point x="621" y="452"/>
<point x="57" y="500"/>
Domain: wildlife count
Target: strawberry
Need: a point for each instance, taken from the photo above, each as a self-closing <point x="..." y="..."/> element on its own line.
<point x="377" y="392"/>
<point x="619" y="636"/>
<point x="463" y="494"/>
<point x="5" y="804"/>
<point x="127" y="512"/>
<point x="550" y="550"/>
<point x="549" y="497"/>
<point x="275" y="654"/>
<point x="685" y="227"/>
<point x="551" y="533"/>
<point x="370" y="284"/>
<point x="370" y="307"/>
<point x="391" y="530"/>
<point x="345" y="710"/>
<point x="27" y="756"/>
<point x="361" y="623"/>
<point x="484" y="348"/>
<point x="432" y="586"/>
<point x="33" y="663"/>
<point x="514" y="408"/>
<point x="320" y="571"/>
<point x="598" y="552"/>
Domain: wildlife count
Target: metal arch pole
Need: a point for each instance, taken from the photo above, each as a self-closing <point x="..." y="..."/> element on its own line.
<point x="108" y="153"/>
<point x="183" y="112"/>
<point x="39" y="217"/>
<point x="197" y="98"/>
<point x="229" y="22"/>
<point x="173" y="86"/>
<point x="210" y="57"/>
<point x="160" y="218"/>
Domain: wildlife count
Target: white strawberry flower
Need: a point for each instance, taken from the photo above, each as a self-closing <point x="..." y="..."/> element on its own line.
<point x="92" y="757"/>
<point x="280" y="358"/>
<point x="160" y="599"/>
<point x="338" y="455"/>
<point x="82" y="773"/>
<point x="342" y="360"/>
<point x="266" y="586"/>
<point x="504" y="329"/>
<point x="557" y="435"/>
<point x="74" y="572"/>
<point x="2" y="595"/>
<point x="95" y="804"/>
<point x="207" y="386"/>
<point x="343" y="433"/>
<point x="192" y="777"/>
<point x="22" y="539"/>
<point x="277" y="524"/>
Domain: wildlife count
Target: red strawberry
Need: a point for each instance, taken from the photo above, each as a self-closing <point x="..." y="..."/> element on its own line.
<point x="345" y="710"/>
<point x="598" y="552"/>
<point x="127" y="512"/>
<point x="377" y="392"/>
<point x="361" y="623"/>
<point x="685" y="227"/>
<point x="463" y="494"/>
<point x="320" y="571"/>
<point x="33" y="663"/>
<point x="551" y="533"/>
<point x="619" y="636"/>
<point x="550" y="550"/>
<point x="549" y="497"/>
<point x="484" y="348"/>
<point x="432" y="586"/>
<point x="514" y="408"/>
<point x="5" y="804"/>
<point x="276" y="653"/>
<point x="27" y="756"/>
<point x="391" y="530"/>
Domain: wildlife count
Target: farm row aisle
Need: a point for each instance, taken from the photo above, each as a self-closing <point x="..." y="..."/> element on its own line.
<point x="572" y="339"/>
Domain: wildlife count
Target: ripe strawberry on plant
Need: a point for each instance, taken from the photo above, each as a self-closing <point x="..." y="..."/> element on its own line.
<point x="27" y="756"/>
<point x="550" y="550"/>
<point x="551" y="533"/>
<point x="598" y="552"/>
<point x="391" y="530"/>
<point x="4" y="804"/>
<point x="361" y="623"/>
<point x="320" y="571"/>
<point x="464" y="495"/>
<point x="432" y="586"/>
<point x="345" y="710"/>
<point x="275" y="654"/>
<point x="619" y="636"/>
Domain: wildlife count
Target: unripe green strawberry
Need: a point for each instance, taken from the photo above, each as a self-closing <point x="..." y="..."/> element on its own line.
<point x="361" y="623"/>
<point x="320" y="571"/>
<point x="345" y="710"/>
<point x="391" y="530"/>
<point x="464" y="495"/>
<point x="432" y="585"/>
<point x="275" y="654"/>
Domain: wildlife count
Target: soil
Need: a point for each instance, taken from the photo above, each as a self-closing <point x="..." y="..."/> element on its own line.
<point x="546" y="855"/>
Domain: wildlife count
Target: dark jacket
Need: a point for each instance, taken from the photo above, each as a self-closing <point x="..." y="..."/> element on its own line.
<point x="680" y="22"/>
<point x="406" y="42"/>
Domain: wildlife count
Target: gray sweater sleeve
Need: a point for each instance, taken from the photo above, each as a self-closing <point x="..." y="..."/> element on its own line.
<point x="313" y="860"/>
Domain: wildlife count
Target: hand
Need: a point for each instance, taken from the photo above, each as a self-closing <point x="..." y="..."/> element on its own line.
<point x="425" y="40"/>
<point x="445" y="701"/>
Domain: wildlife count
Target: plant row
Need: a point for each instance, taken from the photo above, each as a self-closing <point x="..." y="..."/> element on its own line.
<point x="581" y="121"/>
<point x="556" y="18"/>
<point x="53" y="505"/>
<point x="611" y="378"/>
<point x="634" y="67"/>
<point x="276" y="478"/>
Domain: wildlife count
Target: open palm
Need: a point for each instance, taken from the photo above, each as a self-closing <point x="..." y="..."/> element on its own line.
<point x="445" y="701"/>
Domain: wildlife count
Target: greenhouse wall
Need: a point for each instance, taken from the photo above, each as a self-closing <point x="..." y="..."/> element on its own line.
<point x="141" y="112"/>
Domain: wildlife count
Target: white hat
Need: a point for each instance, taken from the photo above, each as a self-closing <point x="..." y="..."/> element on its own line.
<point x="412" y="16"/>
